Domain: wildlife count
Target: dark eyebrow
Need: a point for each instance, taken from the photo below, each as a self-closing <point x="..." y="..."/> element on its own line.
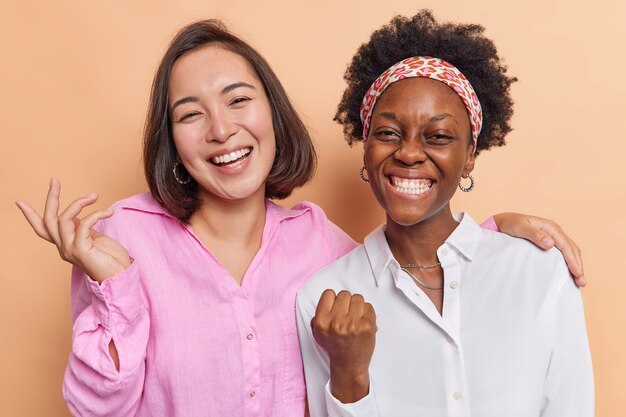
<point x="234" y="86"/>
<point x="389" y="115"/>
<point x="442" y="116"/>
<point x="189" y="99"/>
<point x="225" y="90"/>
<point x="393" y="116"/>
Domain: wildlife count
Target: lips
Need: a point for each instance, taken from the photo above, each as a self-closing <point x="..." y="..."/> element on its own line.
<point x="231" y="157"/>
<point x="412" y="186"/>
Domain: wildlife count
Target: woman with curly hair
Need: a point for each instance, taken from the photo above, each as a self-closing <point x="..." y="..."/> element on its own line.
<point x="432" y="315"/>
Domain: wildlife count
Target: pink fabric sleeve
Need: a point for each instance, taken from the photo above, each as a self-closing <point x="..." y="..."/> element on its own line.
<point x="111" y="310"/>
<point x="490" y="224"/>
<point x="339" y="242"/>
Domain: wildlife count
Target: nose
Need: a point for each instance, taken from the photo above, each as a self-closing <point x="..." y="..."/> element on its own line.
<point x="221" y="126"/>
<point x="411" y="152"/>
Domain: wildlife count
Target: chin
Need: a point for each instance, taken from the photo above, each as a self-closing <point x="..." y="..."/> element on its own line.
<point x="406" y="219"/>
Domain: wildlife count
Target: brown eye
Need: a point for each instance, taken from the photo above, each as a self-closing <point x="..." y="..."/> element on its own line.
<point x="439" y="139"/>
<point x="239" y="100"/>
<point x="386" y="135"/>
<point x="188" y="116"/>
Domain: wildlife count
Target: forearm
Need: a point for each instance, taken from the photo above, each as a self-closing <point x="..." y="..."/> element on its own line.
<point x="106" y="369"/>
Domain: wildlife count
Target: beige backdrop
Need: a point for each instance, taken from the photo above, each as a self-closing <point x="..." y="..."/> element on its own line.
<point x="74" y="82"/>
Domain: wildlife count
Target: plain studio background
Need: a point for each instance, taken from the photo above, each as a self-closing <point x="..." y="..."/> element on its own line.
<point x="74" y="83"/>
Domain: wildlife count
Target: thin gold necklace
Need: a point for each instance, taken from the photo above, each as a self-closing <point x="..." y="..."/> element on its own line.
<point x="420" y="282"/>
<point x="418" y="266"/>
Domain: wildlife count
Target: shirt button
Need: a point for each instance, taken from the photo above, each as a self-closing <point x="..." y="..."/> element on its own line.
<point x="457" y="395"/>
<point x="444" y="251"/>
<point x="252" y="394"/>
<point x="454" y="284"/>
<point x="250" y="336"/>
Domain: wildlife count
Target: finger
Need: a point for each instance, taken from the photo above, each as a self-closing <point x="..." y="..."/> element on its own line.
<point x="35" y="221"/>
<point x="579" y="279"/>
<point x="51" y="210"/>
<point x="579" y="257"/>
<point x="568" y="248"/>
<point x="532" y="229"/>
<point x="342" y="303"/>
<point x="542" y="239"/>
<point x="369" y="314"/>
<point x="67" y="226"/>
<point x="83" y="229"/>
<point x="357" y="306"/>
<point x="325" y="304"/>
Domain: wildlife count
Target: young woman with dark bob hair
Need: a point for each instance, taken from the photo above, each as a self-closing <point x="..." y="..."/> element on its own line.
<point x="184" y="297"/>
<point x="433" y="316"/>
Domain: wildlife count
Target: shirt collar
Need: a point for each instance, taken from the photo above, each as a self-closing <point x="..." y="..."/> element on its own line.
<point x="378" y="253"/>
<point x="465" y="239"/>
<point x="146" y="203"/>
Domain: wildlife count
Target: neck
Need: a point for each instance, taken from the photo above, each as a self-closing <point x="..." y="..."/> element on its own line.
<point x="418" y="243"/>
<point x="230" y="221"/>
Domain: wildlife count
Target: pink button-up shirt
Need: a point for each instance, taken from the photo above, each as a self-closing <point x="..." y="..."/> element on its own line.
<point x="192" y="342"/>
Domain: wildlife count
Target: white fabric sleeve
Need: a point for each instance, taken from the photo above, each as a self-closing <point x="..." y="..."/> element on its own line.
<point x="569" y="388"/>
<point x="365" y="407"/>
<point x="317" y="373"/>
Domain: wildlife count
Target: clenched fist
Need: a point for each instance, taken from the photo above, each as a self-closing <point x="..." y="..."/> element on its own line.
<point x="345" y="327"/>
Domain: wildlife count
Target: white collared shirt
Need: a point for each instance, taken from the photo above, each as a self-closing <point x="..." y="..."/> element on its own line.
<point x="511" y="341"/>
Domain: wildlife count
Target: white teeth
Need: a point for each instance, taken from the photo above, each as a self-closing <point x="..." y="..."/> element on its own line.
<point x="230" y="157"/>
<point x="411" y="186"/>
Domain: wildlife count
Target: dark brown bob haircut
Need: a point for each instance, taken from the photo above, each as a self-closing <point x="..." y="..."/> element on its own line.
<point x="295" y="160"/>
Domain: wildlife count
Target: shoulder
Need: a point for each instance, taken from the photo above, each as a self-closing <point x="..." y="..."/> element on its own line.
<point x="139" y="211"/>
<point x="349" y="272"/>
<point x="523" y="261"/>
<point x="309" y="221"/>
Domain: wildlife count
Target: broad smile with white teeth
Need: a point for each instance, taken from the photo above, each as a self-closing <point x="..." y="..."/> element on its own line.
<point x="410" y="185"/>
<point x="231" y="157"/>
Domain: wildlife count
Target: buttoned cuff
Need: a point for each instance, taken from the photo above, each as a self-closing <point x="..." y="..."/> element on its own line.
<point x="116" y="299"/>
<point x="365" y="407"/>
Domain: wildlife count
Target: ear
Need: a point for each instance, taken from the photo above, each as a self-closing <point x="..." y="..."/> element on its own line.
<point x="469" y="163"/>
<point x="364" y="143"/>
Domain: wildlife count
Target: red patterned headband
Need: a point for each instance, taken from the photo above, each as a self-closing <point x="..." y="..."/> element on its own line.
<point x="426" y="67"/>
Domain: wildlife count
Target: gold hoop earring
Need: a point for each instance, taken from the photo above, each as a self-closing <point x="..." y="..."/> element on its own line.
<point x="470" y="187"/>
<point x="364" y="180"/>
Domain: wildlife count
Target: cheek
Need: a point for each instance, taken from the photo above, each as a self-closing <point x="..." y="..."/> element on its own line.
<point x="259" y="120"/>
<point x="185" y="140"/>
<point x="375" y="155"/>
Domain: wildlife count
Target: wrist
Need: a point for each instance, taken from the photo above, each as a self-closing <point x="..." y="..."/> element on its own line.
<point x="349" y="385"/>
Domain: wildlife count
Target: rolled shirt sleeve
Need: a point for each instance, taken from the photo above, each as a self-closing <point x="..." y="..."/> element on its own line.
<point x="111" y="310"/>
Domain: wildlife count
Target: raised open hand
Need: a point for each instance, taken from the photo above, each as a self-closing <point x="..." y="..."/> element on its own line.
<point x="78" y="243"/>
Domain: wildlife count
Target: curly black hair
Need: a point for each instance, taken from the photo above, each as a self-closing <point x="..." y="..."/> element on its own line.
<point x="462" y="45"/>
